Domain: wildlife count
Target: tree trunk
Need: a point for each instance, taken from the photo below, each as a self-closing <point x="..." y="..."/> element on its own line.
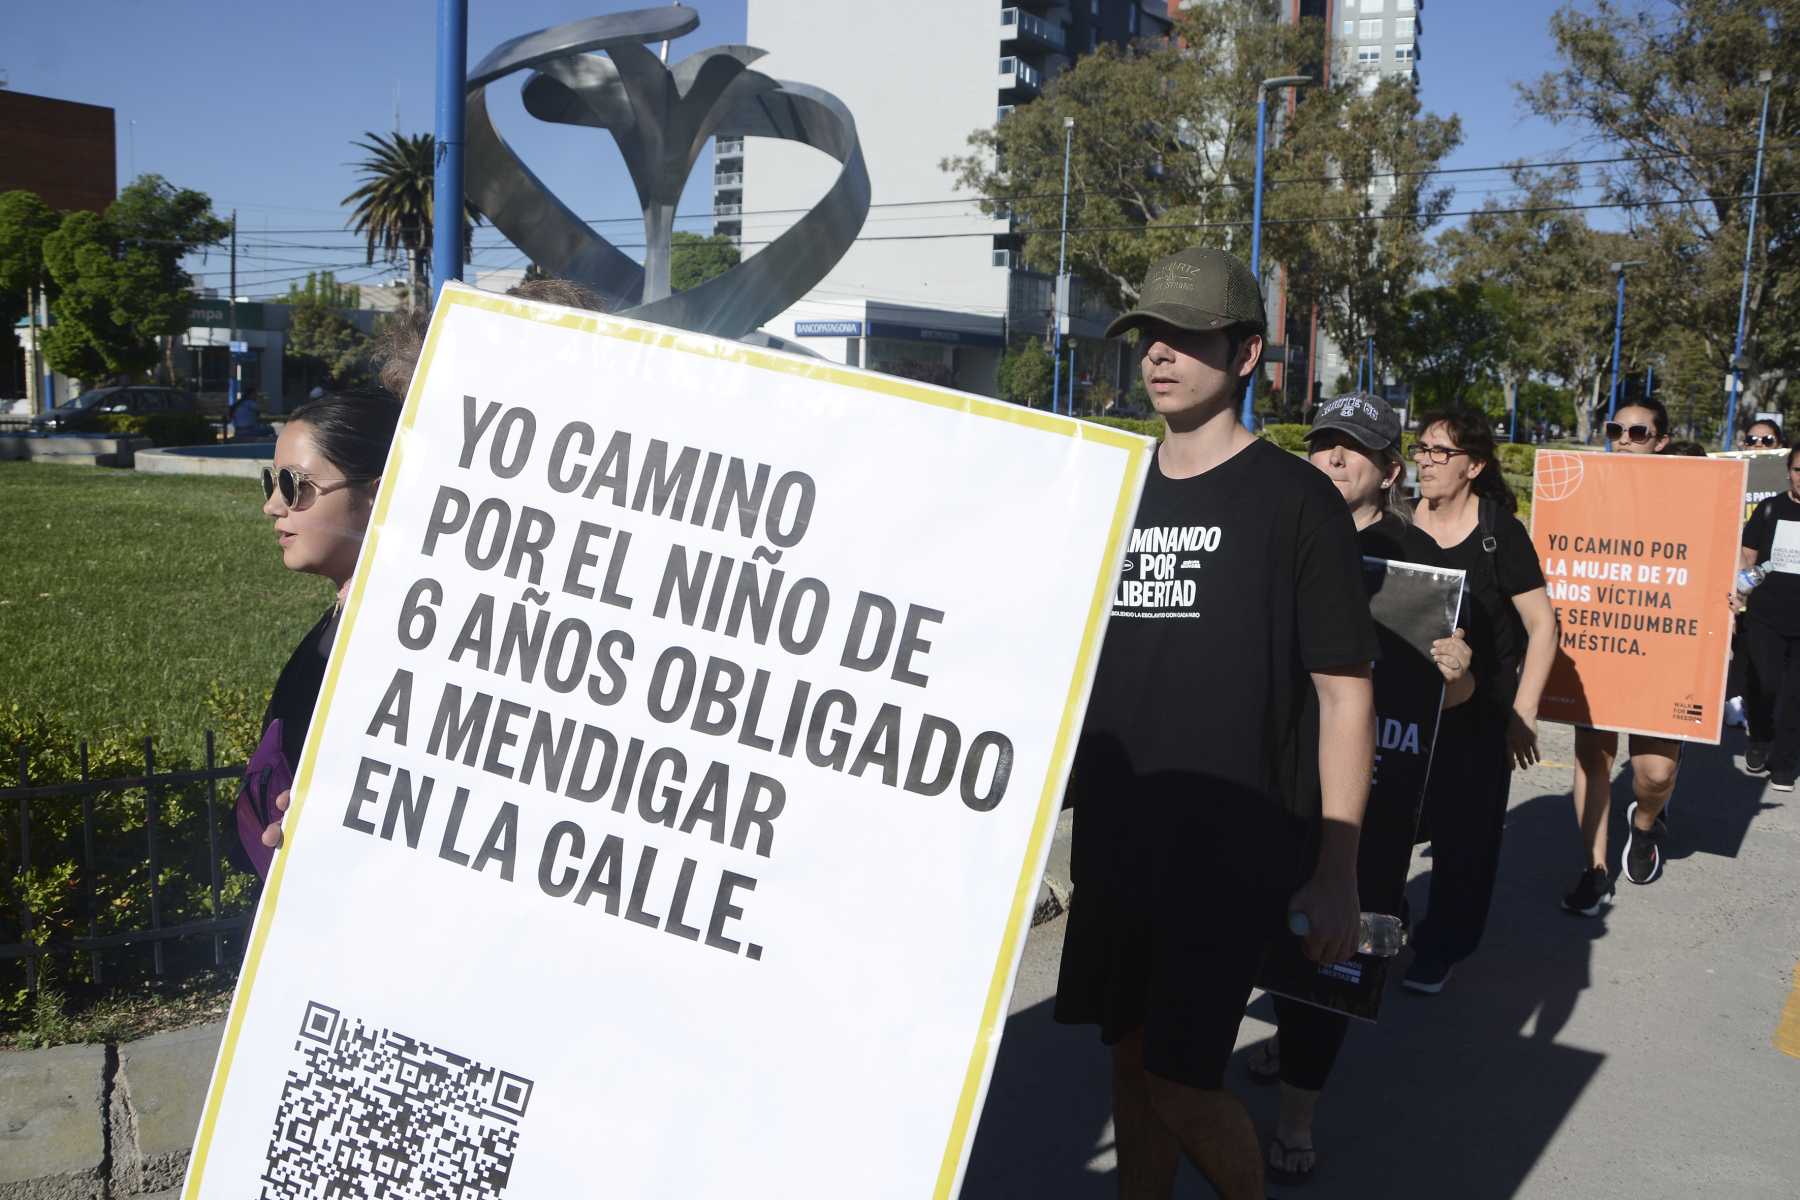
<point x="1509" y="386"/>
<point x="1584" y="412"/>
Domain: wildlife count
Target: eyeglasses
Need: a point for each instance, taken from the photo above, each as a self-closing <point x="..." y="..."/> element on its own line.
<point x="299" y="489"/>
<point x="1437" y="454"/>
<point x="1762" y="439"/>
<point x="1616" y="432"/>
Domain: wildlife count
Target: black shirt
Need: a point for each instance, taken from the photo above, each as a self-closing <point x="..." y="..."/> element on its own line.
<point x="1236" y="584"/>
<point x="1773" y="531"/>
<point x="297" y="687"/>
<point x="1495" y="633"/>
<point x="1400" y="541"/>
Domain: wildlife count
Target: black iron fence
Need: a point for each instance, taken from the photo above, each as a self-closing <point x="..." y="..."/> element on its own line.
<point x="99" y="865"/>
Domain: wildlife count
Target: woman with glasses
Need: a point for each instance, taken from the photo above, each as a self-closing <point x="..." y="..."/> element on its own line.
<point x="1467" y="509"/>
<point x="1641" y="427"/>
<point x="319" y="492"/>
<point x="1771" y="627"/>
<point x="1763" y="435"/>
<point x="1355" y="441"/>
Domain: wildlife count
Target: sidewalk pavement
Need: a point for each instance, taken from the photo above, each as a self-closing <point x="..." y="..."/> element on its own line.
<point x="1629" y="1055"/>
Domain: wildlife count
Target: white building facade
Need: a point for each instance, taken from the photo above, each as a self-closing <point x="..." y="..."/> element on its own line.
<point x="930" y="289"/>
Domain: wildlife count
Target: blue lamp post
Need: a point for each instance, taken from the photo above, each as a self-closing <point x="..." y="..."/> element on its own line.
<point x="1766" y="78"/>
<point x="1062" y="280"/>
<point x="1612" y="397"/>
<point x="447" y="176"/>
<point x="1262" y="123"/>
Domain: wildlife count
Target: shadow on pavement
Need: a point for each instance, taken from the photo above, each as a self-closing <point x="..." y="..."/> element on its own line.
<point x="1454" y="1095"/>
<point x="1710" y="817"/>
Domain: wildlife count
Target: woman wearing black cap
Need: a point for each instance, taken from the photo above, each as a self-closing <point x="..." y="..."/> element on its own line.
<point x="1355" y="441"/>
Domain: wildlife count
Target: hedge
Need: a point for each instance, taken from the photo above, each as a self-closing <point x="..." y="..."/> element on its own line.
<point x="55" y="884"/>
<point x="163" y="428"/>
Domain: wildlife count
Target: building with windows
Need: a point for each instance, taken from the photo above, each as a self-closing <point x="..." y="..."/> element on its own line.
<point x="932" y="288"/>
<point x="1367" y="41"/>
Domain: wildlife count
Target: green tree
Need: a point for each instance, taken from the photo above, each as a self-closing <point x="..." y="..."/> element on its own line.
<point x="694" y="259"/>
<point x="394" y="205"/>
<point x="1162" y="148"/>
<point x="1026" y="373"/>
<point x="118" y="279"/>
<point x="1674" y="93"/>
<point x="323" y="347"/>
<point x="1351" y="221"/>
<point x="25" y="221"/>
<point x="1448" y="339"/>
<point x="323" y="287"/>
<point x="1552" y="268"/>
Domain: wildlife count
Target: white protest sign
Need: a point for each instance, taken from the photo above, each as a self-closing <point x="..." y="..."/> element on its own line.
<point x="686" y="762"/>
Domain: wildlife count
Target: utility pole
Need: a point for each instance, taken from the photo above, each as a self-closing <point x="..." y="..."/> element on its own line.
<point x="1248" y="415"/>
<point x="1061" y="296"/>
<point x="231" y="375"/>
<point x="1734" y="382"/>
<point x="447" y="178"/>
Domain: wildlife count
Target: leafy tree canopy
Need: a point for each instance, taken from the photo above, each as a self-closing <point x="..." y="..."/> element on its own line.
<point x="694" y="259"/>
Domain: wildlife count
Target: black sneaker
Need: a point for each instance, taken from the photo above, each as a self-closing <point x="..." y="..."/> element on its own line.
<point x="1593" y="892"/>
<point x="1426" y="977"/>
<point x="1781" y="781"/>
<point x="1643" y="848"/>
<point x="1756" y="758"/>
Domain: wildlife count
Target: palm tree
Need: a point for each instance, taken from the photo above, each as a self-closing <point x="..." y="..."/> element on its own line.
<point x="394" y="203"/>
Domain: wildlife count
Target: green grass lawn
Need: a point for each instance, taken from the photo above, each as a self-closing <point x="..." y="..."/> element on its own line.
<point x="125" y="597"/>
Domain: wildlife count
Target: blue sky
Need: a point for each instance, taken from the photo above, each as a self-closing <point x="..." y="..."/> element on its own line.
<point x="257" y="104"/>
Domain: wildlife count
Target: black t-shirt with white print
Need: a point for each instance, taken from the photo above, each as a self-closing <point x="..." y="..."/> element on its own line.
<point x="1236" y="584"/>
<point x="1773" y="531"/>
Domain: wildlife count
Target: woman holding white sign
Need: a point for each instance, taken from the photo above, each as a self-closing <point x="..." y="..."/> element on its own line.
<point x="319" y="491"/>
<point x="1772" y="632"/>
<point x="1355" y="441"/>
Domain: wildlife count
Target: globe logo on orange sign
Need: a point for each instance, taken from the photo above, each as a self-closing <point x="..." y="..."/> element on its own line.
<point x="1558" y="475"/>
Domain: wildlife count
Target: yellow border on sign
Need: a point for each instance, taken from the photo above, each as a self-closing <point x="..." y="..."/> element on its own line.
<point x="706" y="346"/>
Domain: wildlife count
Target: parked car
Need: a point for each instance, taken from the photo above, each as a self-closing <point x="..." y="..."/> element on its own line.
<point x="80" y="412"/>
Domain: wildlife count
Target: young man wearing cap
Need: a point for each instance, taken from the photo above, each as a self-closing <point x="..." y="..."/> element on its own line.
<point x="1203" y="816"/>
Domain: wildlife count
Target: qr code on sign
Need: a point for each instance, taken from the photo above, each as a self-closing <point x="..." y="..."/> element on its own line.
<point x="372" y="1113"/>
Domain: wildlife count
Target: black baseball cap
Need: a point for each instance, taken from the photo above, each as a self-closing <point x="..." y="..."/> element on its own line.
<point x="1364" y="416"/>
<point x="1196" y="289"/>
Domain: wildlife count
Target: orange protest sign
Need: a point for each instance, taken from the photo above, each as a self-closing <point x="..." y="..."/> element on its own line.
<point x="1639" y="555"/>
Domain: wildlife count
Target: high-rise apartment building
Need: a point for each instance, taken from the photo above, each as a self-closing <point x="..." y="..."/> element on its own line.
<point x="1367" y="41"/>
<point x="931" y="288"/>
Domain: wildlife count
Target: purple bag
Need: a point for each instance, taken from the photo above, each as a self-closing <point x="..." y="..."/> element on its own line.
<point x="266" y="776"/>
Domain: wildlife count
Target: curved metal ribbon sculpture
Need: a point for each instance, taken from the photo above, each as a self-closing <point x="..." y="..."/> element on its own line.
<point x="661" y="117"/>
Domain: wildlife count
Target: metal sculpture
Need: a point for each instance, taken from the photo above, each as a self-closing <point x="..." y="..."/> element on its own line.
<point x="661" y="117"/>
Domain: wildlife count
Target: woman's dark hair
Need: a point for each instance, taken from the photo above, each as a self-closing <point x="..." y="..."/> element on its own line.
<point x="1689" y="448"/>
<point x="1659" y="416"/>
<point x="352" y="432"/>
<point x="1470" y="430"/>
<point x="1792" y="451"/>
<point x="1775" y="425"/>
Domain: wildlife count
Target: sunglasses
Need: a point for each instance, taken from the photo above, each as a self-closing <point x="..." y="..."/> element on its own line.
<point x="299" y="489"/>
<point x="1762" y="439"/>
<point x="1616" y="432"/>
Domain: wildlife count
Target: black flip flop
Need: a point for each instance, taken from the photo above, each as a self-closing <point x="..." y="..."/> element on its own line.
<point x="1281" y="1174"/>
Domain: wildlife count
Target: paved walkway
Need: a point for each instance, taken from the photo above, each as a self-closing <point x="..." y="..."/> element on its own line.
<point x="1627" y="1056"/>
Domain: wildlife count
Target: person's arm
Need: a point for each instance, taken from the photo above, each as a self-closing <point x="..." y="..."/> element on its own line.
<point x="1346" y="762"/>
<point x="1539" y="619"/>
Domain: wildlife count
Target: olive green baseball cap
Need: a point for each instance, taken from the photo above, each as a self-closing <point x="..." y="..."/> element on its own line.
<point x="1196" y="289"/>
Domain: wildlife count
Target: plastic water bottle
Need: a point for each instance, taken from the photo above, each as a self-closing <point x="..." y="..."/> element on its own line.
<point x="1749" y="577"/>
<point x="1380" y="935"/>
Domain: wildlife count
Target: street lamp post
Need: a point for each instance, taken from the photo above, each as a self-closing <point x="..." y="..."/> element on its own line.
<point x="447" y="174"/>
<point x="1062" y="280"/>
<point x="1766" y="78"/>
<point x="1262" y="121"/>
<point x="1612" y="397"/>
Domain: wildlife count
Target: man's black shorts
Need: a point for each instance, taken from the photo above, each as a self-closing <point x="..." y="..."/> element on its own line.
<point x="1177" y="899"/>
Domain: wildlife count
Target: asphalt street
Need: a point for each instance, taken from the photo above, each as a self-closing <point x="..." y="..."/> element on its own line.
<point x="1630" y="1055"/>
